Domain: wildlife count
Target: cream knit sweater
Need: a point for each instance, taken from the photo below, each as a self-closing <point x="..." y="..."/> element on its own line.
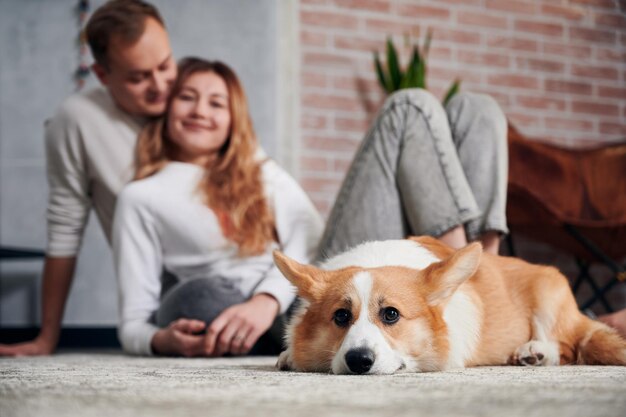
<point x="90" y="146"/>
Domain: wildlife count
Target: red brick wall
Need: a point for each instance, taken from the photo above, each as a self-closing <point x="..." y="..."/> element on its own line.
<point x="557" y="67"/>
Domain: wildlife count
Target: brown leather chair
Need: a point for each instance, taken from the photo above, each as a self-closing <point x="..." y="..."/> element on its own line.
<point x="574" y="200"/>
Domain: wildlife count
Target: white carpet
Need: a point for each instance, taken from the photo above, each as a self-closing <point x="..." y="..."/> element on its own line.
<point x="111" y="384"/>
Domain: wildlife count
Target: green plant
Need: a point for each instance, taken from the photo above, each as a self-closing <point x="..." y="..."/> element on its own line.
<point x="393" y="77"/>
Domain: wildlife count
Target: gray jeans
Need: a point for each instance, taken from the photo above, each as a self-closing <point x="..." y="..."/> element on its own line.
<point x="422" y="170"/>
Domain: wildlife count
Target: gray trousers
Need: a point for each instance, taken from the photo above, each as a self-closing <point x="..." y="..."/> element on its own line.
<point x="422" y="170"/>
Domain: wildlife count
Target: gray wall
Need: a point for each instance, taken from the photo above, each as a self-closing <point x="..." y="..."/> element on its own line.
<point x="37" y="57"/>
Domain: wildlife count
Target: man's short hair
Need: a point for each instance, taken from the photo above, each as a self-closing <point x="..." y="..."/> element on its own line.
<point x="124" y="19"/>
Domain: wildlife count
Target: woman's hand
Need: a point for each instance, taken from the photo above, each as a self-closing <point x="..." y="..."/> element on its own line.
<point x="180" y="338"/>
<point x="239" y="327"/>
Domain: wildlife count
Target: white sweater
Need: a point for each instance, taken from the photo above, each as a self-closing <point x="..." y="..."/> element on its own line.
<point x="163" y="222"/>
<point x="90" y="145"/>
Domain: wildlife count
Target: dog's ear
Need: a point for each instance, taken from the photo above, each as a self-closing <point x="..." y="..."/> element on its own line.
<point x="443" y="278"/>
<point x="308" y="280"/>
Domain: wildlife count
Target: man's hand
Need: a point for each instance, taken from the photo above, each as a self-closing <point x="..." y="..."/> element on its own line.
<point x="180" y="338"/>
<point x="36" y="347"/>
<point x="57" y="278"/>
<point x="239" y="327"/>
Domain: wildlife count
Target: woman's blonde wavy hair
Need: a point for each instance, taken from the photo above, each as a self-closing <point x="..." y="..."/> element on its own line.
<point x="232" y="184"/>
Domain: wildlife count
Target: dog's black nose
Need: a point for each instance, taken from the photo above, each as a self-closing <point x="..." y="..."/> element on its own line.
<point x="360" y="360"/>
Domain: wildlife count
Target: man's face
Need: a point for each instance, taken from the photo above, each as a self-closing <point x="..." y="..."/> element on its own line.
<point x="139" y="76"/>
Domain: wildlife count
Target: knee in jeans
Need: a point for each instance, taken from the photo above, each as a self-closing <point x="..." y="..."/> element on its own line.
<point x="418" y="97"/>
<point x="466" y="109"/>
<point x="482" y="104"/>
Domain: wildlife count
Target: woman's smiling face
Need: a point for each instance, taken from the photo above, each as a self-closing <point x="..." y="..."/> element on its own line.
<point x="199" y="118"/>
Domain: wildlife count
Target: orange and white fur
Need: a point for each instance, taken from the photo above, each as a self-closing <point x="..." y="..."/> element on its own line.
<point x="417" y="305"/>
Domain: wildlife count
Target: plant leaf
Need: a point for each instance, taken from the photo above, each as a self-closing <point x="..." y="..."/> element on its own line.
<point x="395" y="74"/>
<point x="382" y="79"/>
<point x="406" y="80"/>
<point x="454" y="88"/>
<point x="426" y="47"/>
<point x="410" y="79"/>
<point x="421" y="74"/>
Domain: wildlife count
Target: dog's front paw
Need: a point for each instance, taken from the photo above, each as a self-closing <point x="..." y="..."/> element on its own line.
<point x="285" y="363"/>
<point x="536" y="353"/>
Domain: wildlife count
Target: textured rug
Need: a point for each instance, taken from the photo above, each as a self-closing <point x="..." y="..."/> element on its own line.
<point x="111" y="384"/>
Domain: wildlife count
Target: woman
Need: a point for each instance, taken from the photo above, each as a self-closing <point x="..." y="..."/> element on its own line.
<point x="208" y="209"/>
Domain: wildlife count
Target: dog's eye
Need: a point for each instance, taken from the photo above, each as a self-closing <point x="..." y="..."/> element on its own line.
<point x="389" y="315"/>
<point x="342" y="317"/>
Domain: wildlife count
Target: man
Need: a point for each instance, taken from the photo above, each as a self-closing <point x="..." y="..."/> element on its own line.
<point x="90" y="144"/>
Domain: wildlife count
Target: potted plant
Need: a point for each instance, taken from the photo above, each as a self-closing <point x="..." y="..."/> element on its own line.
<point x="392" y="77"/>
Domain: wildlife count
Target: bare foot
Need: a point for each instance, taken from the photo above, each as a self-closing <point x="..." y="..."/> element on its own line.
<point x="616" y="320"/>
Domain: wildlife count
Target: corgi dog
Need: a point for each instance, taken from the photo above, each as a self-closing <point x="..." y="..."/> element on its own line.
<point x="417" y="305"/>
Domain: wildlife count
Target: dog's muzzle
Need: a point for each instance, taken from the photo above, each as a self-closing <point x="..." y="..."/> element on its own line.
<point x="360" y="360"/>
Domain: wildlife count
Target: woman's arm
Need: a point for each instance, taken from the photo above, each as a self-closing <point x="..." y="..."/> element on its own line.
<point x="299" y="228"/>
<point x="138" y="265"/>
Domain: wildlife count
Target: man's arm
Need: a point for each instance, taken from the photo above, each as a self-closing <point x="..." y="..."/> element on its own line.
<point x="68" y="208"/>
<point x="57" y="279"/>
